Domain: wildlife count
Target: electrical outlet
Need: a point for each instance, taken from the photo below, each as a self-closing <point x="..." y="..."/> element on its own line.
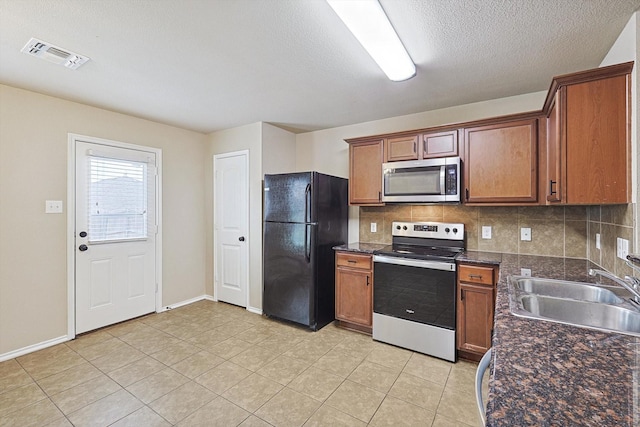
<point x="486" y="232"/>
<point x="525" y="234"/>
<point x="53" y="206"/>
<point x="597" y="240"/>
<point x="374" y="227"/>
<point x="525" y="272"/>
<point x="622" y="248"/>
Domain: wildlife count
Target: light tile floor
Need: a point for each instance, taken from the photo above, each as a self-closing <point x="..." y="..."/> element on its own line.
<point x="214" y="364"/>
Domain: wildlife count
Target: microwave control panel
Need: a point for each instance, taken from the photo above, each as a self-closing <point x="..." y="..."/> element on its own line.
<point x="451" y="178"/>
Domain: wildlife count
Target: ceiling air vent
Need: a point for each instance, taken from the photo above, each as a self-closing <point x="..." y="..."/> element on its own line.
<point x="54" y="54"/>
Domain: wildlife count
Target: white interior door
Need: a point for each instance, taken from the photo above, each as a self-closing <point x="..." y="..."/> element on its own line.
<point x="231" y="226"/>
<point x="115" y="234"/>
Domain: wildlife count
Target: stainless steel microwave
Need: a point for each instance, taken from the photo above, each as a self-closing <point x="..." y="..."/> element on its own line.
<point x="422" y="181"/>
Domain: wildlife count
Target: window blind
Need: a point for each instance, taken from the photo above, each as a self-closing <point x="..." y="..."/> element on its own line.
<point x="118" y="208"/>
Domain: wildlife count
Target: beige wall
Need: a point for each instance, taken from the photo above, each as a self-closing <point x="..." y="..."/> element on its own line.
<point x="271" y="150"/>
<point x="278" y="150"/>
<point x="33" y="168"/>
<point x="241" y="138"/>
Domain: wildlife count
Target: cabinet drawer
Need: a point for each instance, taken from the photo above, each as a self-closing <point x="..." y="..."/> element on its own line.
<point x="476" y="274"/>
<point x="353" y="260"/>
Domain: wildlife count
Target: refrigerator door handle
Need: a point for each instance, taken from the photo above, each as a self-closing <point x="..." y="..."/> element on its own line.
<point x="307" y="246"/>
<point x="307" y="200"/>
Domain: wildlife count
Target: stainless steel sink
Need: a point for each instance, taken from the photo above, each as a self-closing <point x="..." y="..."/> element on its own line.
<point x="583" y="313"/>
<point x="574" y="303"/>
<point x="565" y="289"/>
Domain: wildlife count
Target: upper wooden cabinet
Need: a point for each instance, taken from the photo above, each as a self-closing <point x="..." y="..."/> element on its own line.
<point x="588" y="137"/>
<point x="439" y="144"/>
<point x="402" y="148"/>
<point x="365" y="172"/>
<point x="422" y="146"/>
<point x="576" y="150"/>
<point x="500" y="165"/>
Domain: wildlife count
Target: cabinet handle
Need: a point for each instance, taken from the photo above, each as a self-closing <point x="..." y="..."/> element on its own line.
<point x="461" y="294"/>
<point x="415" y="147"/>
<point x="551" y="190"/>
<point x="351" y="261"/>
<point x="466" y="193"/>
<point x="367" y="280"/>
<point x="475" y="276"/>
<point x="379" y="196"/>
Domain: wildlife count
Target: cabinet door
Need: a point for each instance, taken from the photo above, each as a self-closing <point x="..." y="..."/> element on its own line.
<point x="403" y="148"/>
<point x="354" y="296"/>
<point x="440" y="144"/>
<point x="501" y="163"/>
<point x="365" y="173"/>
<point x="598" y="147"/>
<point x="475" y="317"/>
<point x="554" y="182"/>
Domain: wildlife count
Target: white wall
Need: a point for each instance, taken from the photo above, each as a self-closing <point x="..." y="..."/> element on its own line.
<point x="326" y="151"/>
<point x="33" y="168"/>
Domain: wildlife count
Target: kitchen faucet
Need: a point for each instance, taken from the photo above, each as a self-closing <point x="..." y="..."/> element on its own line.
<point x="629" y="283"/>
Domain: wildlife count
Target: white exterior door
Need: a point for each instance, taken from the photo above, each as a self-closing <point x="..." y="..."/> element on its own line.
<point x="231" y="226"/>
<point x="115" y="234"/>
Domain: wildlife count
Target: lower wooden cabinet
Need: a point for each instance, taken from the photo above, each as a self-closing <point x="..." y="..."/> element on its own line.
<point x="475" y="309"/>
<point x="354" y="291"/>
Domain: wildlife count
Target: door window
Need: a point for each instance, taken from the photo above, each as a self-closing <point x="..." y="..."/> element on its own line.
<point x="117" y="196"/>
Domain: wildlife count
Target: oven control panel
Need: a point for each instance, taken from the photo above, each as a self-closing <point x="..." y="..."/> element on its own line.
<point x="433" y="230"/>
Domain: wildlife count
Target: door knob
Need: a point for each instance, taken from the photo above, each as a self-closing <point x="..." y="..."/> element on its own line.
<point x="241" y="238"/>
<point x="83" y="248"/>
<point x="83" y="234"/>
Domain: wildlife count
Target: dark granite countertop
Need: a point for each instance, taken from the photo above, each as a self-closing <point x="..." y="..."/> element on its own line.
<point x="476" y="257"/>
<point x="549" y="374"/>
<point x="360" y="247"/>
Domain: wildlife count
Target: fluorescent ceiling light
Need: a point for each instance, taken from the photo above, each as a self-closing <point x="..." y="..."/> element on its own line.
<point x="370" y="25"/>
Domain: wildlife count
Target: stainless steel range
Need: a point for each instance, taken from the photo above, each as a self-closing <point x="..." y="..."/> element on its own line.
<point x="414" y="300"/>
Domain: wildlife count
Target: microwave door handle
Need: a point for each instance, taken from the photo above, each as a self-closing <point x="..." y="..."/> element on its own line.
<point x="443" y="190"/>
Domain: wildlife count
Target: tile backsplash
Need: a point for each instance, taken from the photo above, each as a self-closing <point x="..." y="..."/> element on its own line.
<point x="611" y="222"/>
<point x="567" y="231"/>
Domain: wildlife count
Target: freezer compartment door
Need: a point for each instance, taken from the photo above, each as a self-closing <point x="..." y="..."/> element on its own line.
<point x="289" y="272"/>
<point x="289" y="197"/>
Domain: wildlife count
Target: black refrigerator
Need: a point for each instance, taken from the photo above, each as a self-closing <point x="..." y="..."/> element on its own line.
<point x="305" y="215"/>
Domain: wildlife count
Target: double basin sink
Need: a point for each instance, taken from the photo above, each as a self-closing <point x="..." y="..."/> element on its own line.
<point x="605" y="308"/>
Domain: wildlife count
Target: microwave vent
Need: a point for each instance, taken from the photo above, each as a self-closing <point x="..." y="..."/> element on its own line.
<point x="55" y="54"/>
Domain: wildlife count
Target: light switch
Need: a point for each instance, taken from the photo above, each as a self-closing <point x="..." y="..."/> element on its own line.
<point x="486" y="232"/>
<point x="53" y="206"/>
<point x="374" y="227"/>
<point x="525" y="234"/>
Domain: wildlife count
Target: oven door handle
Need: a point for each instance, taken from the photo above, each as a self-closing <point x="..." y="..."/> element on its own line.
<point x="434" y="265"/>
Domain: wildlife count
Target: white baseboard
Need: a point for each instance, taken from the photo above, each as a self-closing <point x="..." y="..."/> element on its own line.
<point x="210" y="298"/>
<point x="255" y="310"/>
<point x="186" y="302"/>
<point x="31" y="348"/>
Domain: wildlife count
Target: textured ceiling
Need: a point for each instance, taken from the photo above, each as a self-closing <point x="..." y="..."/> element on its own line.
<point x="208" y="65"/>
